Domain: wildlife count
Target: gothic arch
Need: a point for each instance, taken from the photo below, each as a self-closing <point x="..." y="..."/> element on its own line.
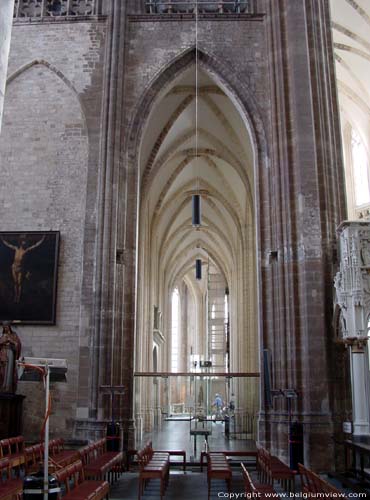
<point x="57" y="72"/>
<point x="227" y="79"/>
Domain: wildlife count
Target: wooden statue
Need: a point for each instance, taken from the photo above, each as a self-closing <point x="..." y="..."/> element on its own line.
<point x="10" y="351"/>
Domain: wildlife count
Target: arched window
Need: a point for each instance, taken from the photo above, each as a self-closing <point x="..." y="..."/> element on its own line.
<point x="175" y="315"/>
<point x="360" y="165"/>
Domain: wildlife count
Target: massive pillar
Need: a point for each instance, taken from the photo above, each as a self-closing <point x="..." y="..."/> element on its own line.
<point x="298" y="234"/>
<point x="6" y="21"/>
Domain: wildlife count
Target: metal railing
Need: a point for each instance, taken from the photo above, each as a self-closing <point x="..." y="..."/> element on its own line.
<point x="200" y="6"/>
<point x="56" y="8"/>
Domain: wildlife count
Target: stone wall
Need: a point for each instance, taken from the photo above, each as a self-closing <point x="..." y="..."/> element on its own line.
<point x="278" y="67"/>
<point x="48" y="155"/>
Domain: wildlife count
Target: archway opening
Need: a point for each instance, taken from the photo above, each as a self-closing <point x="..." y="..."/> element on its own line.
<point x="204" y="328"/>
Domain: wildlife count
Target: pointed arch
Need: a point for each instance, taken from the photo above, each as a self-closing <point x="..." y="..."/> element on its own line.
<point x="225" y="75"/>
<point x="57" y="72"/>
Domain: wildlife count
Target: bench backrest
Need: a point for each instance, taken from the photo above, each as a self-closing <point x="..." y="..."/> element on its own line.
<point x="5" y="470"/>
<point x="312" y="483"/>
<point x="11" y="446"/>
<point x="71" y="476"/>
<point x="4" y="448"/>
<point x="101" y="446"/>
<point x="263" y="458"/>
<point x="248" y="483"/>
<point x="84" y="454"/>
<point x="56" y="446"/>
<point x="16" y="445"/>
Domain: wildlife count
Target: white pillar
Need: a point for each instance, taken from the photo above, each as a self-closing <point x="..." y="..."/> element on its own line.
<point x="6" y="21"/>
<point x="360" y="403"/>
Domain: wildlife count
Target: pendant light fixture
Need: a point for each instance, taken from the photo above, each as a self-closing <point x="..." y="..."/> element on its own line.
<point x="196" y="199"/>
<point x="198" y="269"/>
<point x="196" y="218"/>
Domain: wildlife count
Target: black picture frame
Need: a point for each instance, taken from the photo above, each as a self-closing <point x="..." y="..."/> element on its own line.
<point x="29" y="276"/>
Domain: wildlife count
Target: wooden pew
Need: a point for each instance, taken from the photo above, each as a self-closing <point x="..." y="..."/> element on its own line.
<point x="100" y="463"/>
<point x="59" y="455"/>
<point x="13" y="450"/>
<point x="34" y="455"/>
<point x="312" y="483"/>
<point x="254" y="488"/>
<point x="229" y="453"/>
<point x="76" y="487"/>
<point x="153" y="465"/>
<point x="271" y="469"/>
<point x="218" y="468"/>
<point x="10" y="488"/>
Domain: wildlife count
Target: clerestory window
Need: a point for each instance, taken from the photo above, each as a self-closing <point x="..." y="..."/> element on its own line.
<point x="56" y="8"/>
<point x="175" y="341"/>
<point x="360" y="166"/>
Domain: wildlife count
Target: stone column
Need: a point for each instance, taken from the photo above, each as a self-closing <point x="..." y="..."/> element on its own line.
<point x="6" y="21"/>
<point x="298" y="218"/>
<point x="360" y="400"/>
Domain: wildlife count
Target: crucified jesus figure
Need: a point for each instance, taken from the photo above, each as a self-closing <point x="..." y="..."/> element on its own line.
<point x="17" y="266"/>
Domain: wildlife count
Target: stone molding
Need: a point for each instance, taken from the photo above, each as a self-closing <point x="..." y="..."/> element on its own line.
<point x="191" y="17"/>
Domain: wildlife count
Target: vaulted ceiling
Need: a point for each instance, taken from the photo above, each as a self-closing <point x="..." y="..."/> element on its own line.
<point x="351" y="34"/>
<point x="196" y="142"/>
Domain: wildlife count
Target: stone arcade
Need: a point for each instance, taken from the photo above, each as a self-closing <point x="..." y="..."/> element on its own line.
<point x="101" y="116"/>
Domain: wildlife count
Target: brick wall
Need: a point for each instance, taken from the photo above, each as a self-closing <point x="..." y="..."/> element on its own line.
<point x="47" y="155"/>
<point x="241" y="46"/>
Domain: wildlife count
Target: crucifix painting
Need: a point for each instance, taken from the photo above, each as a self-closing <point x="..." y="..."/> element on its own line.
<point x="28" y="276"/>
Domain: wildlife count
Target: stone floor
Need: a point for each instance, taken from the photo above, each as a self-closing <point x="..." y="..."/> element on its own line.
<point x="182" y="486"/>
<point x="175" y="434"/>
<point x="191" y="485"/>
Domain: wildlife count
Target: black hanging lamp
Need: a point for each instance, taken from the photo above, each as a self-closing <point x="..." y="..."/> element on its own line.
<point x="196" y="212"/>
<point x="198" y="269"/>
<point x="196" y="215"/>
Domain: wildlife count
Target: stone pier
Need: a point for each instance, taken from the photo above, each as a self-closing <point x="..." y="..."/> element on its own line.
<point x="6" y="20"/>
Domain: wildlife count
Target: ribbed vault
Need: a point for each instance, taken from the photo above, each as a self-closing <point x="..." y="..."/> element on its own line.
<point x="351" y="36"/>
<point x="181" y="156"/>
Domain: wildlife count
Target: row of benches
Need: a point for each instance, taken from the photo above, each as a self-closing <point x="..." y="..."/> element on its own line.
<point x="153" y="465"/>
<point x="10" y="488"/>
<point x="271" y="469"/>
<point x="218" y="468"/>
<point x="18" y="455"/>
<point x="13" y="450"/>
<point x="100" y="463"/>
<point x="58" y="455"/>
<point x="76" y="487"/>
<point x="312" y="483"/>
<point x="253" y="489"/>
<point x="70" y="467"/>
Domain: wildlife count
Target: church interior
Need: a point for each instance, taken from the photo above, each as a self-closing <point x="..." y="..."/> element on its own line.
<point x="184" y="249"/>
